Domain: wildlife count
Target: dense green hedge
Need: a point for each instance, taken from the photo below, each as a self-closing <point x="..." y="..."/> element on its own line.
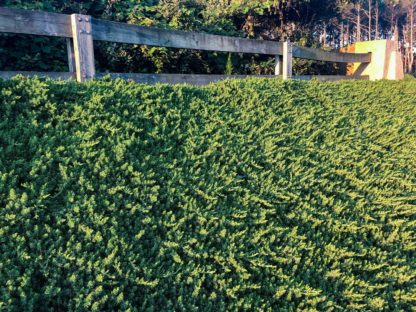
<point x="254" y="195"/>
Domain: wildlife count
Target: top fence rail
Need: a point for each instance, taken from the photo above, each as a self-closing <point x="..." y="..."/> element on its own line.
<point x="60" y="25"/>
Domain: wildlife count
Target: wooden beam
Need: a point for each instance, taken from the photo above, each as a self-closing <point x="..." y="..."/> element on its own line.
<point x="169" y="78"/>
<point x="51" y="75"/>
<point x="327" y="56"/>
<point x="191" y="79"/>
<point x="71" y="55"/>
<point x="330" y="77"/>
<point x="134" y="34"/>
<point x="287" y="60"/>
<point x="35" y="23"/>
<point x="83" y="47"/>
<point x="278" y="70"/>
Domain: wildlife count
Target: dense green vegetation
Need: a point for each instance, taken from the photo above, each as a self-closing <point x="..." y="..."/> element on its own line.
<point x="254" y="195"/>
<point x="329" y="24"/>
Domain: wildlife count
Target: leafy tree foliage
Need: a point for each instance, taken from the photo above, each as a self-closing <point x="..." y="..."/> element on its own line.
<point x="328" y="23"/>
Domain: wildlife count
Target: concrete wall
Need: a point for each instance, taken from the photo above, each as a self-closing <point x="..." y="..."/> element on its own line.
<point x="386" y="61"/>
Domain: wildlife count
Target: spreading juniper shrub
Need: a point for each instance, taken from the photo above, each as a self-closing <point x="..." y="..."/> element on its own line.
<point x="256" y="195"/>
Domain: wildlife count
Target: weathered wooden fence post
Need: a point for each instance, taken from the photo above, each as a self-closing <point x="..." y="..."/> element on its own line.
<point x="287" y="60"/>
<point x="278" y="71"/>
<point x="83" y="46"/>
<point x="71" y="55"/>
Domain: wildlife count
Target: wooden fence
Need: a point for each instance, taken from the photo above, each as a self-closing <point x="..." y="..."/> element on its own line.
<point x="82" y="30"/>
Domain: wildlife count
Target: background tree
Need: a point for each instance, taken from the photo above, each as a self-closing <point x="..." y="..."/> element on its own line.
<point x="409" y="33"/>
<point x="318" y="23"/>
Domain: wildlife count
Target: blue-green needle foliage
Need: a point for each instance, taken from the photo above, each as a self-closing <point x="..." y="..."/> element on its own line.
<point x="256" y="195"/>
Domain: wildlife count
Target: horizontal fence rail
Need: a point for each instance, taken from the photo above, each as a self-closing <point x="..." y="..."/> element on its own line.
<point x="192" y="79"/>
<point x="82" y="30"/>
<point x="35" y="23"/>
<point x="134" y="34"/>
<point x="327" y="56"/>
<point x="52" y="75"/>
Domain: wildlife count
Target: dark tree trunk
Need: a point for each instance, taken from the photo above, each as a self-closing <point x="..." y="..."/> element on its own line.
<point x="358" y="6"/>
<point x="370" y="18"/>
<point x="377" y="18"/>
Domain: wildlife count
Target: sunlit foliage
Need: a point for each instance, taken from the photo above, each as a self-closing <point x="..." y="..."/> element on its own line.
<point x="257" y="195"/>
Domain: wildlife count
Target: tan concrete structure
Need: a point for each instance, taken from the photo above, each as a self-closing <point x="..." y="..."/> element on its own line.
<point x="386" y="61"/>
